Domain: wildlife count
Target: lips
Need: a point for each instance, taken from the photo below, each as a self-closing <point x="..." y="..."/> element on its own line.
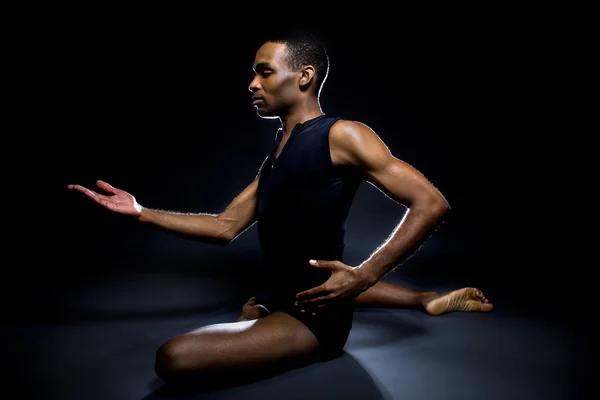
<point x="256" y="100"/>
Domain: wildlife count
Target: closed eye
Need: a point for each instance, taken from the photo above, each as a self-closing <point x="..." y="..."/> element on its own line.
<point x="263" y="70"/>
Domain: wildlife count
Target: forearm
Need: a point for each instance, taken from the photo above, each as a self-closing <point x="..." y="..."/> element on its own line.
<point x="203" y="227"/>
<point x="415" y="228"/>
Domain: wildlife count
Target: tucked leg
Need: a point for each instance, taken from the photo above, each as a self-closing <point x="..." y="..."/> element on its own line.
<point x="237" y="350"/>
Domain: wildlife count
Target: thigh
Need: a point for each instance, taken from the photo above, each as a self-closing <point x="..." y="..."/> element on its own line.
<point x="276" y="340"/>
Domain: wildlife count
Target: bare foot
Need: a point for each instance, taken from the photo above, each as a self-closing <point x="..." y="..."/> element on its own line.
<point x="252" y="310"/>
<point x="465" y="299"/>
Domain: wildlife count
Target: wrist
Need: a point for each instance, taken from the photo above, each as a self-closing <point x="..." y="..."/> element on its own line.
<point x="142" y="214"/>
<point x="367" y="274"/>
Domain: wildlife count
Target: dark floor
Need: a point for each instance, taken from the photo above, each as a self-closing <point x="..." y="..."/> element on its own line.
<point x="86" y="325"/>
<point x="103" y="348"/>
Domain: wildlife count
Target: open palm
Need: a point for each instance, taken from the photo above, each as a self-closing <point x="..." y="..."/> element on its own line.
<point x="116" y="200"/>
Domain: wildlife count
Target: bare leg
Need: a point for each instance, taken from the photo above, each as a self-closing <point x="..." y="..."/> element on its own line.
<point x="387" y="295"/>
<point x="384" y="294"/>
<point x="237" y="350"/>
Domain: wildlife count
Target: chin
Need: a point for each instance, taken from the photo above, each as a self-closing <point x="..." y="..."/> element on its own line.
<point x="268" y="116"/>
<point x="265" y="114"/>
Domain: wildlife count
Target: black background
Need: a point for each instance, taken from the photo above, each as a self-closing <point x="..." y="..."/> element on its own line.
<point x="159" y="107"/>
<point x="155" y="102"/>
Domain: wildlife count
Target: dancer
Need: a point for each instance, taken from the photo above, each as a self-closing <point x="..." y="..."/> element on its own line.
<point x="300" y="200"/>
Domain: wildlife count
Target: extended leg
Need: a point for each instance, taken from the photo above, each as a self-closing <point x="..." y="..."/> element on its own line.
<point x="387" y="295"/>
<point x="384" y="294"/>
<point x="237" y="350"/>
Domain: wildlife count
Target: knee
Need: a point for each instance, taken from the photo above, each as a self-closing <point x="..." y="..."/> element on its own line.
<point x="170" y="363"/>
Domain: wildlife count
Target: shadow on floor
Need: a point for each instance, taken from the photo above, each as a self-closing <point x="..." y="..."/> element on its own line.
<point x="353" y="381"/>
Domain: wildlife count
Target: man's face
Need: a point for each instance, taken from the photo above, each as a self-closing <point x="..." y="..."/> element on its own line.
<point x="274" y="87"/>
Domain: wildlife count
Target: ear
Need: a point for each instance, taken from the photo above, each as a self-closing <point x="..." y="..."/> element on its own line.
<point x="307" y="74"/>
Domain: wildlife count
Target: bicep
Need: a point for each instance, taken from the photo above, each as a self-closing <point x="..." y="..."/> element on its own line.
<point x="360" y="147"/>
<point x="399" y="180"/>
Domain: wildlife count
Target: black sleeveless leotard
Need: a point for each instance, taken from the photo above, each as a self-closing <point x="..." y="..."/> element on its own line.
<point x="303" y="204"/>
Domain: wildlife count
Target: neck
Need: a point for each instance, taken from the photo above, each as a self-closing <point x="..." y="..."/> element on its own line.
<point x="299" y="116"/>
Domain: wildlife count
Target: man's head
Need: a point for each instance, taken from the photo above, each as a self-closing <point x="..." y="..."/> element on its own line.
<point x="288" y="70"/>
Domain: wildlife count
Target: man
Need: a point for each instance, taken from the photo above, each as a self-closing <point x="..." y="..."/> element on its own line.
<point x="300" y="200"/>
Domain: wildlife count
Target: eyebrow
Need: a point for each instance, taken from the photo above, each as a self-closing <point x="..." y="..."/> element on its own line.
<point x="261" y="65"/>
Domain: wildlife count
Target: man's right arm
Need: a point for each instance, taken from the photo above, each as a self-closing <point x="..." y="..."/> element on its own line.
<point x="221" y="228"/>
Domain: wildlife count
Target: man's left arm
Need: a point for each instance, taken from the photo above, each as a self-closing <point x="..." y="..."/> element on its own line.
<point x="357" y="145"/>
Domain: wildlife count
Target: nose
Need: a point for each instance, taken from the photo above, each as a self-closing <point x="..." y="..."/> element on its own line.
<point x="253" y="86"/>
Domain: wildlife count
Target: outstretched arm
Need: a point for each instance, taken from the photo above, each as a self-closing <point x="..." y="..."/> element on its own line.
<point x="219" y="228"/>
<point x="214" y="228"/>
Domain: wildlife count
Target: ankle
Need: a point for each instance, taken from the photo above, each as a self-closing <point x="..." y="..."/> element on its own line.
<point x="427" y="297"/>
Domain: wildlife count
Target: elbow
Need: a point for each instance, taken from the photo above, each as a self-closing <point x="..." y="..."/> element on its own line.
<point x="226" y="233"/>
<point x="226" y="238"/>
<point x="223" y="241"/>
<point x="440" y="209"/>
<point x="441" y="206"/>
<point x="435" y="206"/>
<point x="230" y="232"/>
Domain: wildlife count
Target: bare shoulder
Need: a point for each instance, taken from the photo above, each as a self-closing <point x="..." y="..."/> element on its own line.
<point x="355" y="143"/>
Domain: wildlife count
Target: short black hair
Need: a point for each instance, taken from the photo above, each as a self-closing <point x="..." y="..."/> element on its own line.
<point x="305" y="48"/>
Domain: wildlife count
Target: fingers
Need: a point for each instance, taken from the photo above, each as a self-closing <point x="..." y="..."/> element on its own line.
<point x="312" y="313"/>
<point x="313" y="309"/>
<point x="323" y="264"/>
<point x="106" y="187"/>
<point x="316" y="300"/>
<point x="310" y="293"/>
<point x="79" y="188"/>
<point x="90" y="193"/>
